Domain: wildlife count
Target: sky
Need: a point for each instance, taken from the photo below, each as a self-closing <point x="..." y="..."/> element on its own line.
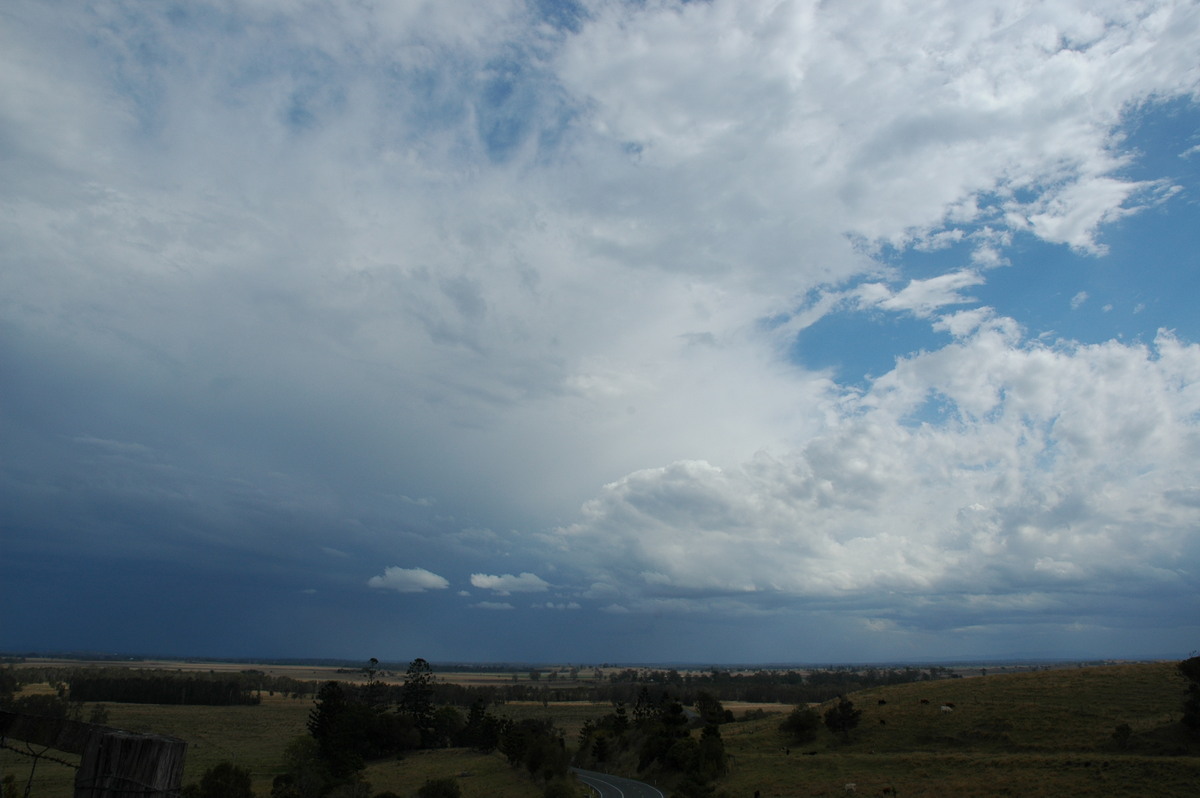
<point x="599" y="330"/>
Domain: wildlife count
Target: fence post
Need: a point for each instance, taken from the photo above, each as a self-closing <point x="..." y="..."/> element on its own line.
<point x="119" y="764"/>
<point x="116" y="764"/>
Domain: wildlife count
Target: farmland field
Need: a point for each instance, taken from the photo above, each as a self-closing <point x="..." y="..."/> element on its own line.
<point x="1046" y="733"/>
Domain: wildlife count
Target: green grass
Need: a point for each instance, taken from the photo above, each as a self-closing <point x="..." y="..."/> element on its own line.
<point x="252" y="737"/>
<point x="1034" y="735"/>
<point x="479" y="775"/>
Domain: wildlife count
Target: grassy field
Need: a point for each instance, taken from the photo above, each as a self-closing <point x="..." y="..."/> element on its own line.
<point x="252" y="737"/>
<point x="1031" y="734"/>
<point x="1034" y="734"/>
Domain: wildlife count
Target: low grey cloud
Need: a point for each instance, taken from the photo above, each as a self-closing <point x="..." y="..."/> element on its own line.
<point x="507" y="583"/>
<point x="408" y="580"/>
<point x="500" y="606"/>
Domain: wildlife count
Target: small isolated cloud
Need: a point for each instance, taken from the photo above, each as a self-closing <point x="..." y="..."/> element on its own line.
<point x="1078" y="300"/>
<point x="922" y="297"/>
<point x="493" y="605"/>
<point x="550" y="605"/>
<point x="507" y="583"/>
<point x="408" y="580"/>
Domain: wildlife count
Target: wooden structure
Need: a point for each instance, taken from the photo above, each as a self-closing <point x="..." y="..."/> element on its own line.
<point x="115" y="763"/>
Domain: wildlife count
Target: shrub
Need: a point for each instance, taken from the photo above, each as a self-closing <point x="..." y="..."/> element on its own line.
<point x="224" y="780"/>
<point x="802" y="724"/>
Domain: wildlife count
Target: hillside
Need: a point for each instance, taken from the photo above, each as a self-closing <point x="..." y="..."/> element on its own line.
<point x="1048" y="733"/>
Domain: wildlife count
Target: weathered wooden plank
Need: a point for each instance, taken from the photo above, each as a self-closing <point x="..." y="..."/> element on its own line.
<point x="115" y="763"/>
<point x="119" y="763"/>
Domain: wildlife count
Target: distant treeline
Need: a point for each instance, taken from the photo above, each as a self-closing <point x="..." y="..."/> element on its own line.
<point x="162" y="689"/>
<point x="159" y="686"/>
<point x="790" y="687"/>
<point x="764" y="686"/>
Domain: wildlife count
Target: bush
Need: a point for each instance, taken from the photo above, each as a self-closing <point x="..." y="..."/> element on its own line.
<point x="842" y="718"/>
<point x="802" y="724"/>
<point x="224" y="780"/>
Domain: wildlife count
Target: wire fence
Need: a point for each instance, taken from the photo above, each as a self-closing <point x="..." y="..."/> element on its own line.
<point x="36" y="756"/>
<point x="105" y="781"/>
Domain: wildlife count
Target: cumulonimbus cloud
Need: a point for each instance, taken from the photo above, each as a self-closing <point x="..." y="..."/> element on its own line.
<point x="990" y="468"/>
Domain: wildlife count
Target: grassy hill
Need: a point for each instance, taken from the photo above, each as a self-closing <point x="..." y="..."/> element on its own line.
<point x="1048" y="733"/>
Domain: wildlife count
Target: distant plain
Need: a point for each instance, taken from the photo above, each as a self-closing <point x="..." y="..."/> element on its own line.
<point x="1037" y="733"/>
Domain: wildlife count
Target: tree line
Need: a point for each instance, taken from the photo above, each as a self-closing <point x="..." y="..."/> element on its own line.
<point x="760" y="686"/>
<point x="351" y="724"/>
<point x="179" y="690"/>
<point x="655" y="738"/>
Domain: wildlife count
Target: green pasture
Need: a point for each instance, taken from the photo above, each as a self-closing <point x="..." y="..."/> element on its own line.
<point x="1040" y="734"/>
<point x="252" y="737"/>
<point x="1032" y="734"/>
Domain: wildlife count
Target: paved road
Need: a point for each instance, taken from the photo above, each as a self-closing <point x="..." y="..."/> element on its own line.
<point x="607" y="786"/>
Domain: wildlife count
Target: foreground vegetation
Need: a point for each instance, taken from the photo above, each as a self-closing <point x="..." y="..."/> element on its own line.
<point x="1112" y="730"/>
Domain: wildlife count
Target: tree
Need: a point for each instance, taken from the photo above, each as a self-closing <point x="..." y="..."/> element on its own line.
<point x="537" y="745"/>
<point x="416" y="698"/>
<point x="482" y="731"/>
<point x="375" y="691"/>
<point x="224" y="780"/>
<point x="842" y="718"/>
<point x="711" y="758"/>
<point x="448" y="725"/>
<point x="8" y="685"/>
<point x="802" y="724"/>
<point x="337" y="726"/>
<point x="710" y="709"/>
<point x="348" y="731"/>
<point x="305" y="774"/>
<point x="600" y="748"/>
<point x="1190" y="668"/>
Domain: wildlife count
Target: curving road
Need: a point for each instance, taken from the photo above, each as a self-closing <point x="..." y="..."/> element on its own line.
<point x="607" y="786"/>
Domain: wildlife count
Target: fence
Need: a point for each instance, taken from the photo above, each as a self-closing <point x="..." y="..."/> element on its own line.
<point x="114" y="763"/>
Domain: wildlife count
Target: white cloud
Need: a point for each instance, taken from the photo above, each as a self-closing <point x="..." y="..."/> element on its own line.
<point x="507" y="583"/>
<point x="921" y="297"/>
<point x="342" y="267"/>
<point x="493" y="605"/>
<point x="1078" y="300"/>
<point x="1056" y="466"/>
<point x="408" y="580"/>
